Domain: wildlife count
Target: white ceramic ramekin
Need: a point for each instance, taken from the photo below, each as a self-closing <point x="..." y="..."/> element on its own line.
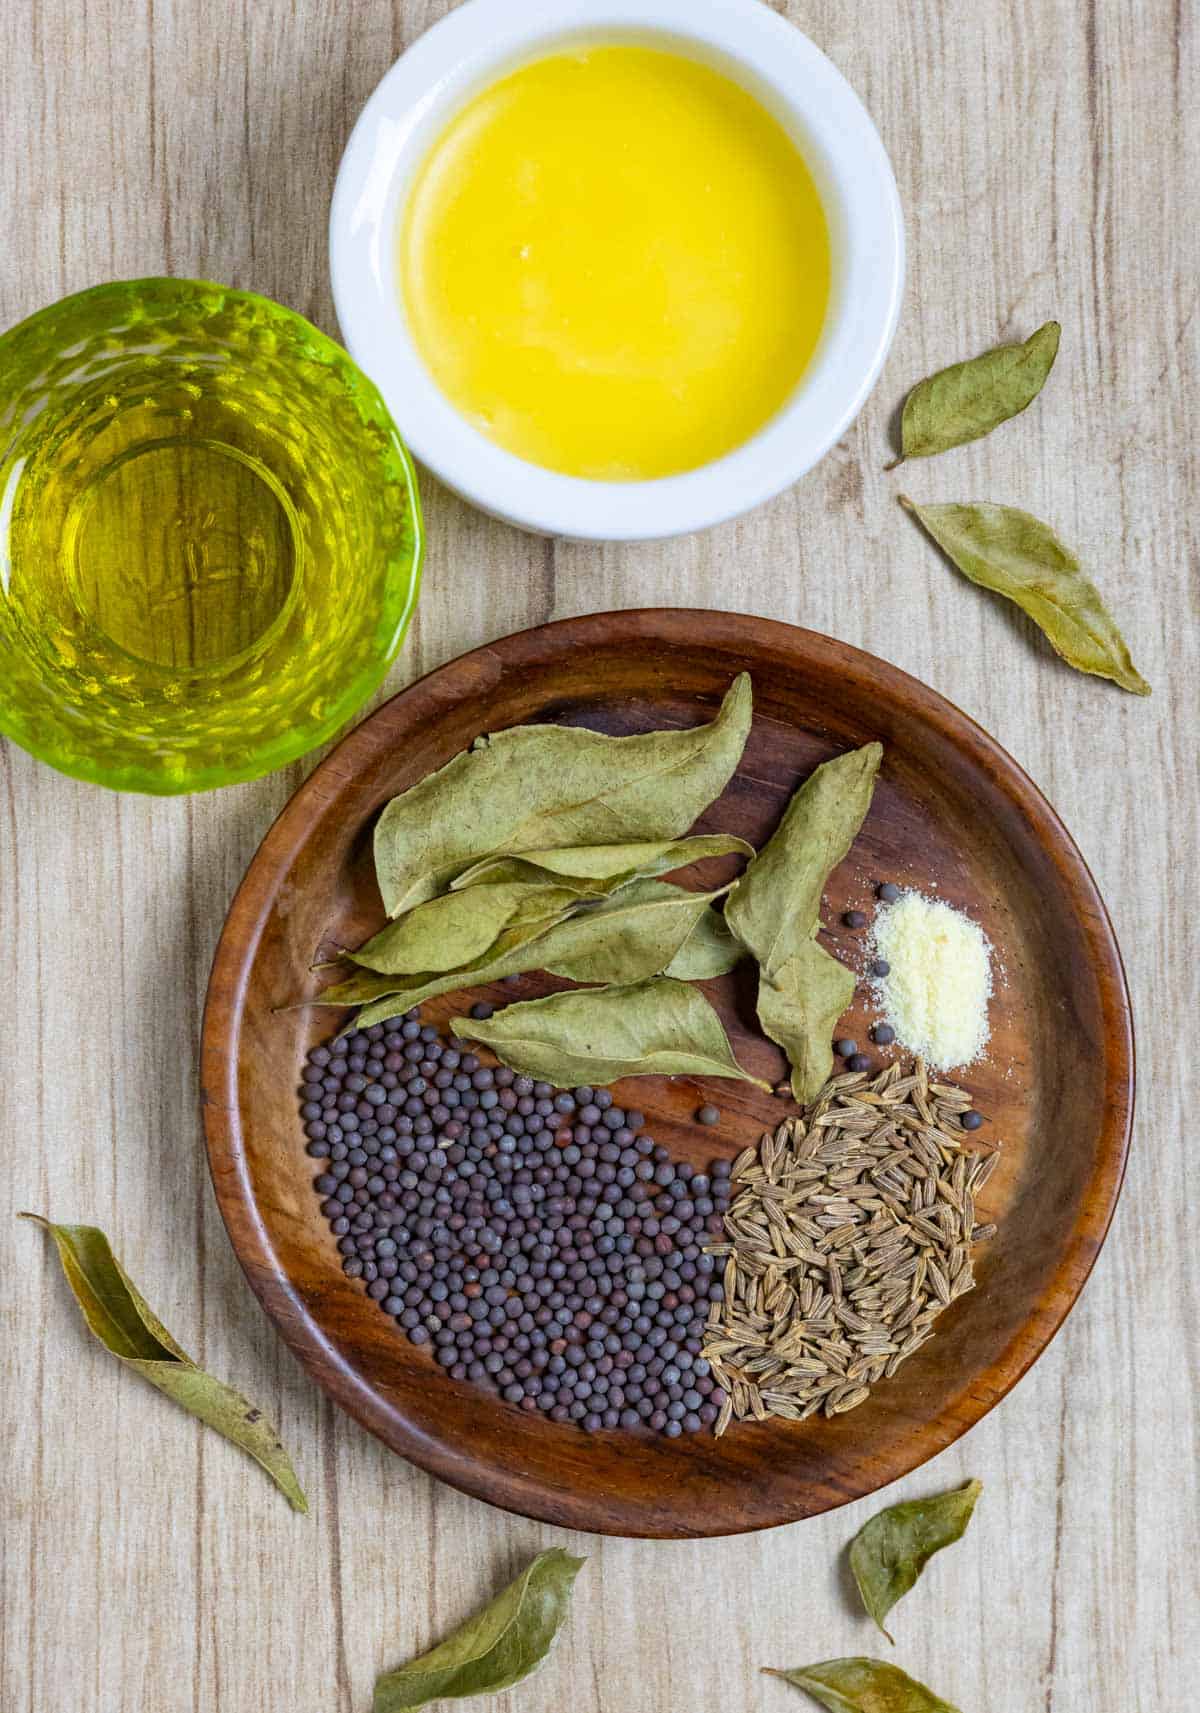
<point x="479" y="42"/>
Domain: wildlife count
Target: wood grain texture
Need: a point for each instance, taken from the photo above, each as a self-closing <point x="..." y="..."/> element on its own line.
<point x="1049" y="162"/>
<point x="950" y="815"/>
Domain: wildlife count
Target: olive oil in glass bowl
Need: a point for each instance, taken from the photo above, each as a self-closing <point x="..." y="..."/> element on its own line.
<point x="210" y="536"/>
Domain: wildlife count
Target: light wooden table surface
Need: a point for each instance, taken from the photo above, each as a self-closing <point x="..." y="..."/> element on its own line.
<point x="1047" y="158"/>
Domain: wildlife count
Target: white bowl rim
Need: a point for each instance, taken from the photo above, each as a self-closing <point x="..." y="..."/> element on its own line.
<point x="468" y="49"/>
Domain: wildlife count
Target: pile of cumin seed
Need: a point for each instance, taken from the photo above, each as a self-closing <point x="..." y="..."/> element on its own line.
<point x="850" y="1234"/>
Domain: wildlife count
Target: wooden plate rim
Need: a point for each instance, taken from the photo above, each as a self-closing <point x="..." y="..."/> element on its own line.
<point x="253" y="903"/>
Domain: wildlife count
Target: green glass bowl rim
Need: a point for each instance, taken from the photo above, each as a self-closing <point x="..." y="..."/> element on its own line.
<point x="297" y="741"/>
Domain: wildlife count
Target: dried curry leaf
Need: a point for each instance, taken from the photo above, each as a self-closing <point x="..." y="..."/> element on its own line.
<point x="539" y="787"/>
<point x="386" y="996"/>
<point x="889" y="1552"/>
<point x="774" y="911"/>
<point x="859" y="1685"/>
<point x="124" y="1323"/>
<point x="709" y="950"/>
<point x="1018" y="556"/>
<point x="773" y="908"/>
<point x="799" y="1007"/>
<point x="496" y="1648"/>
<point x="596" y="869"/>
<point x="366" y="987"/>
<point x="598" y="1035"/>
<point x="458" y="927"/>
<point x="967" y="400"/>
<point x="632" y="935"/>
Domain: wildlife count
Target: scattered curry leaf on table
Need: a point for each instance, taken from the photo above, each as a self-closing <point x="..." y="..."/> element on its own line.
<point x="890" y="1551"/>
<point x="799" y="1006"/>
<point x="860" y="1685"/>
<point x="594" y="869"/>
<point x="967" y="400"/>
<point x="774" y="911"/>
<point x="124" y="1323"/>
<point x="493" y="1650"/>
<point x="543" y="786"/>
<point x="660" y="1027"/>
<point x="1016" y="555"/>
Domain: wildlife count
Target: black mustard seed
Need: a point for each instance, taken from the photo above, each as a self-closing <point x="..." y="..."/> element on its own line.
<point x="537" y="1240"/>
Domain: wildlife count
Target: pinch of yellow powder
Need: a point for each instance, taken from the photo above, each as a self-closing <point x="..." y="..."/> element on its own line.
<point x="935" y="995"/>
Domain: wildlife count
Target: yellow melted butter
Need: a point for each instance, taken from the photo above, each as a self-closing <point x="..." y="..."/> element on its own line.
<point x="615" y="263"/>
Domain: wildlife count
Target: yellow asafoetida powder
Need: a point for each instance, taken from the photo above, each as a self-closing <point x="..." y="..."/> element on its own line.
<point x="935" y="994"/>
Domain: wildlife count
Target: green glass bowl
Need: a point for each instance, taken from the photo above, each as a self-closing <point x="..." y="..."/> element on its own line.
<point x="210" y="536"/>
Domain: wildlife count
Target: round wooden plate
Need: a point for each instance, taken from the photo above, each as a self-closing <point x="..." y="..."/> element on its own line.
<point x="952" y="813"/>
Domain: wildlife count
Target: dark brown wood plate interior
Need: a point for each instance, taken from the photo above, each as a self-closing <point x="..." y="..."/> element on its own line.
<point x="952" y="815"/>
